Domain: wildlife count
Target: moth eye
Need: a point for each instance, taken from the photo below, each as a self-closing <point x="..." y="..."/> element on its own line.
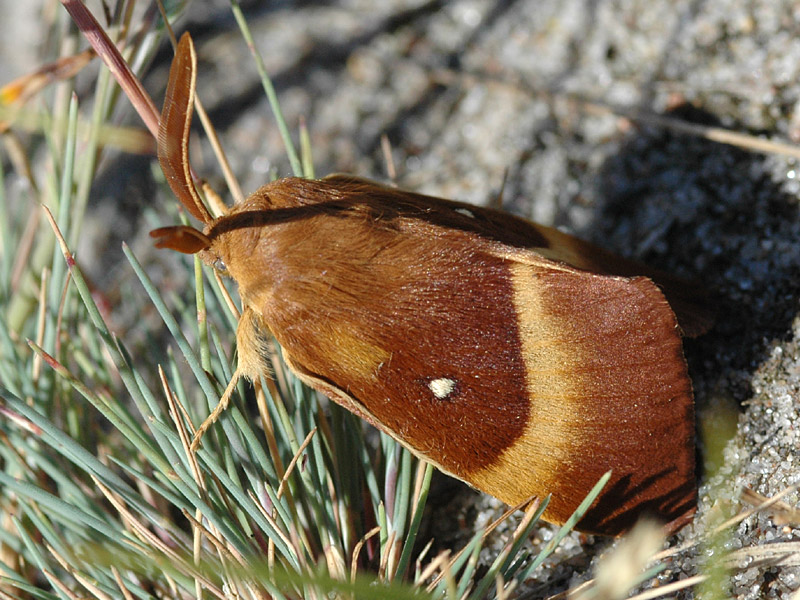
<point x="220" y="266"/>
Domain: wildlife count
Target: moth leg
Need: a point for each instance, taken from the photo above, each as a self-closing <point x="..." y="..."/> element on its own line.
<point x="218" y="410"/>
<point x="249" y="344"/>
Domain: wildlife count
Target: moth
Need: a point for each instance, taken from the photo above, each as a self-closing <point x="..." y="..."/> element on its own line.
<point x="512" y="356"/>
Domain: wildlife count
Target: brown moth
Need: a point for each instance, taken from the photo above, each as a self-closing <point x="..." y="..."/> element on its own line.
<point x="509" y="355"/>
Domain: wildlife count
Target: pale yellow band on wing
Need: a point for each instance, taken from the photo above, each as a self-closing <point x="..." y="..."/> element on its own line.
<point x="554" y="390"/>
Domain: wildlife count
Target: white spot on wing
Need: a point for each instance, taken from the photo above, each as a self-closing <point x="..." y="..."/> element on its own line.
<point x="442" y="387"/>
<point x="466" y="211"/>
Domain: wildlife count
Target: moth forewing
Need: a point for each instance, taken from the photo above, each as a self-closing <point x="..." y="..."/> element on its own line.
<point x="516" y="374"/>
